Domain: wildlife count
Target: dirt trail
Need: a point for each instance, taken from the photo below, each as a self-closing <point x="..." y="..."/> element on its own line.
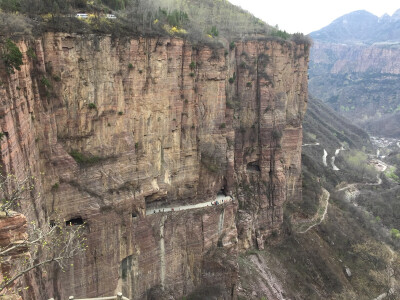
<point x="382" y="168"/>
<point x="318" y="218"/>
<point x="347" y="187"/>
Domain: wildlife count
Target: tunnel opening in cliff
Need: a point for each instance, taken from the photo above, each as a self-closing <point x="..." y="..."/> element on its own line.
<point x="74" y="221"/>
<point x="253" y="166"/>
<point x="222" y="192"/>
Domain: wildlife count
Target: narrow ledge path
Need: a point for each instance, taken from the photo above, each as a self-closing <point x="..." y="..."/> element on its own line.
<point x="220" y="199"/>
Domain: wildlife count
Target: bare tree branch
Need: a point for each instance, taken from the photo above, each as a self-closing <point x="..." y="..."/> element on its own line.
<point x="45" y="244"/>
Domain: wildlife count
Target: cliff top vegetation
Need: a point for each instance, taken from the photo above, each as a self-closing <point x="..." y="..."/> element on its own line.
<point x="208" y="21"/>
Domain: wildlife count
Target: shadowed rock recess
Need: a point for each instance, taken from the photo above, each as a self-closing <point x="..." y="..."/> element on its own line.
<point x="114" y="127"/>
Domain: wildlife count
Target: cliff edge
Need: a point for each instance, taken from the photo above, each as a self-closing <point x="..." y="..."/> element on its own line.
<point x="114" y="128"/>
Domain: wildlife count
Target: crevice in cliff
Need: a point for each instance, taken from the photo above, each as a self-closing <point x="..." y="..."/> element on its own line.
<point x="154" y="154"/>
<point x="162" y="251"/>
<point x="147" y="48"/>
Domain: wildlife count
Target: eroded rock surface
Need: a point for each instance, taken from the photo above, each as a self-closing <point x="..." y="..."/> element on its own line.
<point x="112" y="127"/>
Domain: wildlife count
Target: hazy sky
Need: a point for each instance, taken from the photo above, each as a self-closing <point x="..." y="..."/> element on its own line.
<point x="310" y="15"/>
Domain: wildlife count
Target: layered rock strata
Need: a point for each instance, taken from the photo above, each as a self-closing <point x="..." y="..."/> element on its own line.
<point x="13" y="234"/>
<point x="110" y="128"/>
<point x="342" y="58"/>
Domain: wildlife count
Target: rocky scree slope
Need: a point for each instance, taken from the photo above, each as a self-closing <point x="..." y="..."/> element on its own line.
<point x="112" y="127"/>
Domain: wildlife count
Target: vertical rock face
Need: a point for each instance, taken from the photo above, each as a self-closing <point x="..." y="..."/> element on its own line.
<point x="153" y="122"/>
<point x="271" y="91"/>
<point x="13" y="233"/>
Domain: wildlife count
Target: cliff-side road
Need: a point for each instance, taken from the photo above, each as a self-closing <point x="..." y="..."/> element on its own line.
<point x="220" y="198"/>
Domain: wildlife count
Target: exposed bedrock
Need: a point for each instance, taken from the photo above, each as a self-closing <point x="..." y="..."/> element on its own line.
<point x="112" y="127"/>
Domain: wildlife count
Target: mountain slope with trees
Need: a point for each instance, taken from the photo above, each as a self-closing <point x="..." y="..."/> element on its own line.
<point x="361" y="27"/>
<point x="350" y="254"/>
<point x="169" y="104"/>
<point x="355" y="68"/>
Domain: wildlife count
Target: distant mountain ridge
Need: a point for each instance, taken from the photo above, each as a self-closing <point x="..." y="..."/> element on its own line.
<point x="355" y="68"/>
<point x="361" y="27"/>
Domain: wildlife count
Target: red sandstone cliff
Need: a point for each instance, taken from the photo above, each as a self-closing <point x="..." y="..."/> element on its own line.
<point x="13" y="232"/>
<point x="151" y="128"/>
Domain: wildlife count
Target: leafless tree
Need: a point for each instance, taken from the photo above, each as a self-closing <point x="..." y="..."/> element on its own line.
<point x="13" y="190"/>
<point x="51" y="242"/>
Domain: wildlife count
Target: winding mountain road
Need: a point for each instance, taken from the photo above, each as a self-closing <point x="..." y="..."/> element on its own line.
<point x="315" y="144"/>
<point x="324" y="158"/>
<point x="318" y="218"/>
<point x="334" y="157"/>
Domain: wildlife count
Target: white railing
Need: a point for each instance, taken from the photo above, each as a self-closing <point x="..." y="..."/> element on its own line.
<point x="118" y="297"/>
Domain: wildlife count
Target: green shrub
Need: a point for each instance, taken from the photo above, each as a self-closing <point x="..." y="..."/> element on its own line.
<point x="45" y="82"/>
<point x="191" y="74"/>
<point x="92" y="106"/>
<point x="192" y="65"/>
<point x="222" y="126"/>
<point x="276" y="134"/>
<point x="357" y="165"/>
<point x="392" y="175"/>
<point x="281" y="34"/>
<point x="213" y="31"/>
<point x="57" y="78"/>
<point x="130" y="66"/>
<point x="395" y="233"/>
<point x="83" y="159"/>
<point x="10" y="5"/>
<point x="175" y="18"/>
<point x="31" y="53"/>
<point x="230" y="104"/>
<point x="55" y="186"/>
<point x="233" y="78"/>
<point x="12" y="56"/>
<point x="232" y="45"/>
<point x="249" y="84"/>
